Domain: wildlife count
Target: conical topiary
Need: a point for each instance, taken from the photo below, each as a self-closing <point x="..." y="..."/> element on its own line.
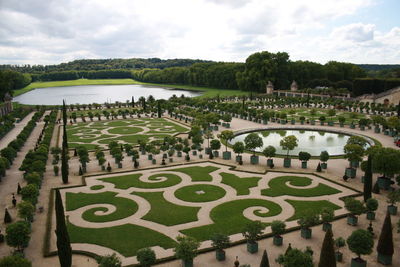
<point x="264" y="260"/>
<point x="385" y="243"/>
<point x="327" y="256"/>
<point x="7" y="217"/>
<point x="368" y="179"/>
<point x="289" y="248"/>
<point x="319" y="169"/>
<point x="19" y="189"/>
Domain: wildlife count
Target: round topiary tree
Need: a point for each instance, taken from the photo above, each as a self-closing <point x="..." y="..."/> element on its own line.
<point x="269" y="152"/>
<point x="304" y="157"/>
<point x="355" y="207"/>
<point x="361" y="243"/>
<point x="18" y="235"/>
<point x="252" y="142"/>
<point x="324" y="157"/>
<point x="251" y="232"/>
<point x="186" y="249"/>
<point x="146" y="257"/>
<point x="288" y="143"/>
<point x="278" y="228"/>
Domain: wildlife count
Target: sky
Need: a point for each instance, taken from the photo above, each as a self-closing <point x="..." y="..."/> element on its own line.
<point x="55" y="31"/>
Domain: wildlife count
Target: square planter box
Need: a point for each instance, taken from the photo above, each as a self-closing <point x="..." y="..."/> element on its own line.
<point x="312" y="122"/>
<point x="187" y="263"/>
<point x="277" y="240"/>
<point x="384" y="183"/>
<point x="254" y="159"/>
<point x="120" y="165"/>
<point x="252" y="247"/>
<point x="357" y="262"/>
<point x="352" y="220"/>
<point x="216" y="154"/>
<point x="377" y="130"/>
<point x="215" y="128"/>
<point x="287" y="163"/>
<point x="351" y="172"/>
<point x="220" y="255"/>
<point x="293" y="122"/>
<point x="194" y="152"/>
<point x="324" y="165"/>
<point x="208" y="150"/>
<point x="355" y="164"/>
<point x="227" y="125"/>
<point x="326" y="226"/>
<point x="270" y="162"/>
<point x="305" y="233"/>
<point x="302" y="122"/>
<point x="179" y="154"/>
<point x="304" y="164"/>
<point x="392" y="209"/>
<point x="200" y="156"/>
<point x="154" y="161"/>
<point x="370" y="215"/>
<point x="226" y="155"/>
<point x="330" y="123"/>
<point x="150" y="157"/>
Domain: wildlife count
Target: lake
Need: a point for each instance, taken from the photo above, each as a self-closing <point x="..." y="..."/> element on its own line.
<point x="87" y="94"/>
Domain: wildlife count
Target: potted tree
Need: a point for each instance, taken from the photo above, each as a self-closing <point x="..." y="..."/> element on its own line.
<point x="392" y="198"/>
<point x="341" y="121"/>
<point x="308" y="219"/>
<point x="371" y="206"/>
<point x="331" y="113"/>
<point x="226" y="136"/>
<point x="288" y="143"/>
<point x="219" y="243"/>
<point x="238" y="148"/>
<point x="387" y="162"/>
<point x="146" y="257"/>
<point x="251" y="232"/>
<point x="327" y="216"/>
<point x="215" y="145"/>
<point x="278" y="228"/>
<point x="322" y="120"/>
<point x="304" y="157"/>
<point x="186" y="250"/>
<point x="361" y="243"/>
<point x="252" y="142"/>
<point x="324" y="157"/>
<point x="339" y="242"/>
<point x="355" y="207"/>
<point x="353" y="153"/>
<point x="302" y="119"/>
<point x="269" y="152"/>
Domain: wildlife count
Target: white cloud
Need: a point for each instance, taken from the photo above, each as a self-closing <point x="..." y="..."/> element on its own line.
<point x="44" y="32"/>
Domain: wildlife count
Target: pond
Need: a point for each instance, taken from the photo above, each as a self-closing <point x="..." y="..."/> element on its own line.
<point x="87" y="94"/>
<point x="313" y="142"/>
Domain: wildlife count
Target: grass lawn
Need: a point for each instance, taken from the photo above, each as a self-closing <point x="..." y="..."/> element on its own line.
<point x="278" y="187"/>
<point x="127" y="239"/>
<point x="241" y="185"/>
<point x="301" y="207"/>
<point x="207" y="92"/>
<point x="132" y="180"/>
<point x="167" y="213"/>
<point x="200" y="193"/>
<point x="198" y="174"/>
<point x="124" y="207"/>
<point x="228" y="218"/>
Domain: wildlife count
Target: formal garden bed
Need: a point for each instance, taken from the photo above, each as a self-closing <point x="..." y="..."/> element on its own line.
<point x="149" y="208"/>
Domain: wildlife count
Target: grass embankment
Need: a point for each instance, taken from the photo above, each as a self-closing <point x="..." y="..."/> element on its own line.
<point x="207" y="92"/>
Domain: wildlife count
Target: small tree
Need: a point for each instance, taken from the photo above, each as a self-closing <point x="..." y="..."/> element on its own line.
<point x="252" y="142"/>
<point x="18" y="235"/>
<point x="26" y="210"/>
<point x="220" y="241"/>
<point x="289" y="143"/>
<point x="238" y="148"/>
<point x="110" y="261"/>
<point x="304" y="156"/>
<point x="361" y="243"/>
<point x="278" y="227"/>
<point x="296" y="258"/>
<point x="227" y="136"/>
<point x="324" y="156"/>
<point x="146" y="257"/>
<point x="252" y="231"/>
<point x="186" y="249"/>
<point x="354" y="206"/>
<point x="353" y="152"/>
<point x="368" y="180"/>
<point x="30" y="193"/>
<point x="327" y="256"/>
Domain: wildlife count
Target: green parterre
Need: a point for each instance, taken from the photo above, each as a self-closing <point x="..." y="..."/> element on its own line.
<point x="101" y="133"/>
<point x="152" y="207"/>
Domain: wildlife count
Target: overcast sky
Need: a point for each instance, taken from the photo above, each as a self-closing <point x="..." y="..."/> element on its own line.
<point x="55" y="31"/>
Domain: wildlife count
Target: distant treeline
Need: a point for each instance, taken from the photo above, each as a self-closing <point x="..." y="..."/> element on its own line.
<point x="105" y="64"/>
<point x="12" y="80"/>
<point x="253" y="75"/>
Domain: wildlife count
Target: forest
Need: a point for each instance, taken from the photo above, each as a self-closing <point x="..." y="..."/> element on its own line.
<point x="253" y="75"/>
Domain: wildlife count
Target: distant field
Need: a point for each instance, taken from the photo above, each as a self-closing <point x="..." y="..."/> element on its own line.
<point x="208" y="92"/>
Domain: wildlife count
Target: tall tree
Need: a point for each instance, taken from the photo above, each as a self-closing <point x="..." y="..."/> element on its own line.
<point x="368" y="180"/>
<point x="159" y="109"/>
<point x="64" y="113"/>
<point x="385" y="243"/>
<point x="133" y="102"/>
<point x="64" y="164"/>
<point x="63" y="243"/>
<point x="327" y="257"/>
<point x="264" y="260"/>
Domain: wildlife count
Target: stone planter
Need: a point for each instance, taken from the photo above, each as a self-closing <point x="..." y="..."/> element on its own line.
<point x="194" y="152"/>
<point x="277" y="240"/>
<point x="226" y="155"/>
<point x="330" y="123"/>
<point x="352" y="220"/>
<point x="302" y="122"/>
<point x="324" y="165"/>
<point x="339" y="256"/>
<point x="384" y="183"/>
<point x="254" y="159"/>
<point x="312" y="122"/>
<point x="355" y="164"/>
<point x="270" y="162"/>
<point x="252" y="247"/>
<point x="326" y="226"/>
<point x="171" y="160"/>
<point x="187" y="263"/>
<point x="386" y="132"/>
<point x="392" y="209"/>
<point x="149" y="156"/>
<point x="362" y="128"/>
<point x="358" y="262"/>
<point x="179" y="154"/>
<point x="306" y="233"/>
<point x="370" y="215"/>
<point x="220" y="255"/>
<point x="227" y="125"/>
<point x="216" y="154"/>
<point x="238" y="158"/>
<point x="377" y="130"/>
<point x="304" y="164"/>
<point x="287" y="162"/>
<point x="215" y="128"/>
<point x="385" y="259"/>
<point x="351" y="172"/>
